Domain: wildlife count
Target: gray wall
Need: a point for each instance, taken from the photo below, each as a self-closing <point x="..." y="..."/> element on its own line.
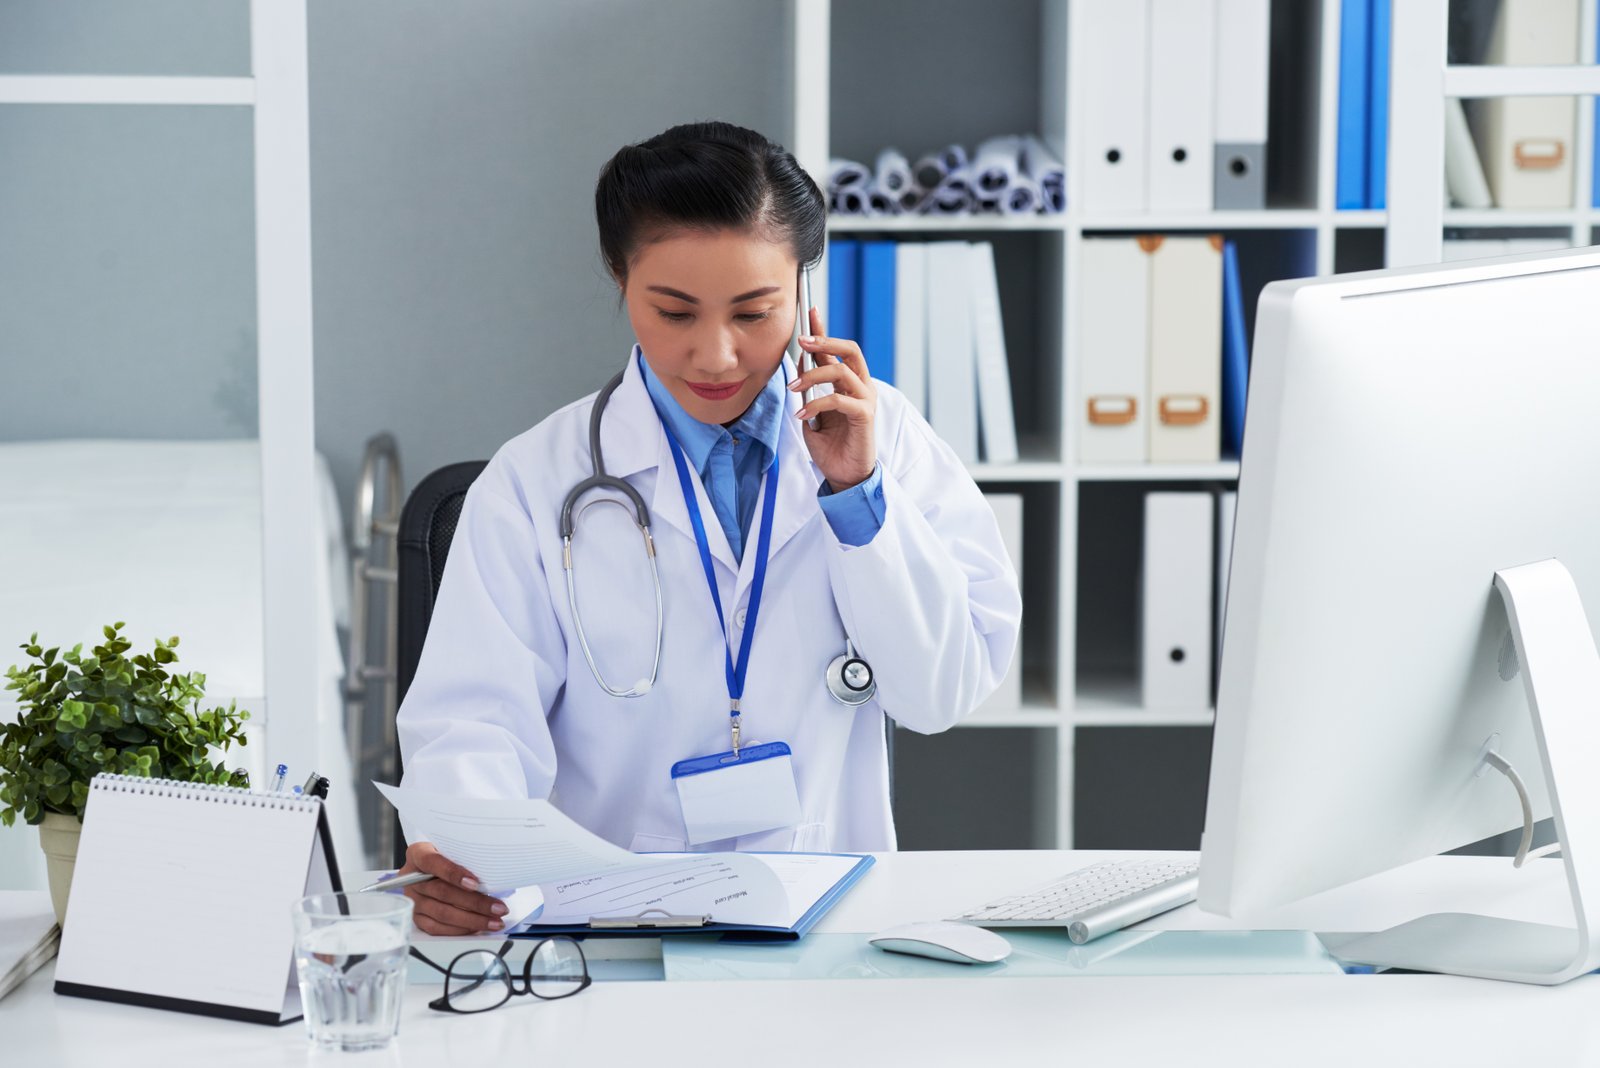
<point x="460" y="296"/>
<point x="454" y="147"/>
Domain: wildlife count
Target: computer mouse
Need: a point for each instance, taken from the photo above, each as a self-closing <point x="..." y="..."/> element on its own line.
<point x="960" y="943"/>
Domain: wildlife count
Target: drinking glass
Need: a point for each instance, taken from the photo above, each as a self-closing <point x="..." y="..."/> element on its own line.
<point x="350" y="951"/>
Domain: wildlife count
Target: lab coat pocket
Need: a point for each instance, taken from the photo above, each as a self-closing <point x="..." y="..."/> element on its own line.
<point x="658" y="843"/>
<point x="812" y="838"/>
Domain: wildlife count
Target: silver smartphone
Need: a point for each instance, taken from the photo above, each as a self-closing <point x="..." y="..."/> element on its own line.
<point x="802" y="325"/>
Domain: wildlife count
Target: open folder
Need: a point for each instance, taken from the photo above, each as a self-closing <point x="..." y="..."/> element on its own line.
<point x="558" y="878"/>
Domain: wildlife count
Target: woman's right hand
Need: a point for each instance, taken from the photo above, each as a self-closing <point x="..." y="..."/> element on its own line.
<point x="449" y="903"/>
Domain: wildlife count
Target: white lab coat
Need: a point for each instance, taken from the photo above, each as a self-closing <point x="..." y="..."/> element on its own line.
<point x="504" y="705"/>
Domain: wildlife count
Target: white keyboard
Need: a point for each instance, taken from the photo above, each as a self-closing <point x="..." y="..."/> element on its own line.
<point x="1098" y="899"/>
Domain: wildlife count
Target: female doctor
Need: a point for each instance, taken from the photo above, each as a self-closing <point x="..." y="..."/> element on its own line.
<point x="813" y="578"/>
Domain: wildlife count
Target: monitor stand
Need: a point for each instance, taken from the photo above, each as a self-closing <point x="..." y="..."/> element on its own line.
<point x="1561" y="671"/>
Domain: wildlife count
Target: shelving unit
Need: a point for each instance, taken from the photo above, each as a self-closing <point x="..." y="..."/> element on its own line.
<point x="1062" y="697"/>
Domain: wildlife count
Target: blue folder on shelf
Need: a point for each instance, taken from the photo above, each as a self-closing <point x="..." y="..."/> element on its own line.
<point x="1235" y="353"/>
<point x="652" y="924"/>
<point x="876" y="308"/>
<point x="1378" y="107"/>
<point x="844" y="289"/>
<point x="1355" y="22"/>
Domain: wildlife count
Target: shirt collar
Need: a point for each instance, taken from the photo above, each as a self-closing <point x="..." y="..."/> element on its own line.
<point x="762" y="421"/>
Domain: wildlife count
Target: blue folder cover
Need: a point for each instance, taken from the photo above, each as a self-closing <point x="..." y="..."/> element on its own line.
<point x="731" y="932"/>
<point x="1354" y="22"/>
<point x="1378" y="106"/>
<point x="1235" y="353"/>
<point x="877" y="308"/>
<point x="844" y="289"/>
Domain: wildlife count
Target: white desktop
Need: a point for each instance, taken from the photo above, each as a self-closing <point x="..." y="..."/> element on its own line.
<point x="1405" y="645"/>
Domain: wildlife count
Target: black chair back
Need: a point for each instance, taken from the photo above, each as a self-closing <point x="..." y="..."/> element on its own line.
<point x="427" y="526"/>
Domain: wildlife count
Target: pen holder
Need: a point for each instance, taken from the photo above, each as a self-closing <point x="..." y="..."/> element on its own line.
<point x="58" y="837"/>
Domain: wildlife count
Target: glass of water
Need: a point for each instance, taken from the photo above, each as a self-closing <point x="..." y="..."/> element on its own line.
<point x="350" y="950"/>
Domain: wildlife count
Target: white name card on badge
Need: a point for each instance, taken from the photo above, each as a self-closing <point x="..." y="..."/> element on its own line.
<point x="725" y="796"/>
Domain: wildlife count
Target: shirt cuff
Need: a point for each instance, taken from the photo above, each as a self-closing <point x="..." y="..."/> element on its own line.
<point x="856" y="515"/>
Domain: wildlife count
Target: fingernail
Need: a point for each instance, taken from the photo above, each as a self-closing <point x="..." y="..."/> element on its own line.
<point x="469" y="883"/>
<point x="794" y="385"/>
<point x="809" y="340"/>
<point x="498" y="909"/>
<point x="495" y="925"/>
<point x="801" y="414"/>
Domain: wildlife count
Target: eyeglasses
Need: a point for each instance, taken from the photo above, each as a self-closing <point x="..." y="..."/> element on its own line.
<point x="479" y="980"/>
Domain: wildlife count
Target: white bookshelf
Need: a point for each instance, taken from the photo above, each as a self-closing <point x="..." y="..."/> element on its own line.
<point x="1057" y="697"/>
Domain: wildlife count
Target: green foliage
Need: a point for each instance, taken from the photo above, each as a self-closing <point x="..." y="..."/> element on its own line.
<point x="84" y="714"/>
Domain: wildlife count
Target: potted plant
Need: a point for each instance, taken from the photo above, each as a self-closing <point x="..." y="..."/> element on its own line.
<point x="79" y="715"/>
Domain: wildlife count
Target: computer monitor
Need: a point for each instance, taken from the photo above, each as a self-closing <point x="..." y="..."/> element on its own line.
<point x="1420" y="444"/>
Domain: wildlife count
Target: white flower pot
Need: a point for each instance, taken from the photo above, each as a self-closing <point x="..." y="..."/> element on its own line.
<point x="58" y="837"/>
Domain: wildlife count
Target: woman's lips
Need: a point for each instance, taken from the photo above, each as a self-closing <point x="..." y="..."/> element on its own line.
<point x="713" y="391"/>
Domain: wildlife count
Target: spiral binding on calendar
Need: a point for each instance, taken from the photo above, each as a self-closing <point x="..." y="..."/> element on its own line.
<point x="200" y="791"/>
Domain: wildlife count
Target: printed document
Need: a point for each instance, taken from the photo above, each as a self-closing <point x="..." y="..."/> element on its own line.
<point x="515" y="844"/>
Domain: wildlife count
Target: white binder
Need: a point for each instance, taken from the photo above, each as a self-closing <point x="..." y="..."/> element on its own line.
<point x="952" y="364"/>
<point x="1227" y="512"/>
<point x="1244" y="29"/>
<point x="911" y="322"/>
<point x="1114" y="338"/>
<point x="1464" y="179"/>
<point x="181" y="896"/>
<point x="1526" y="142"/>
<point x="1175" y="661"/>
<point x="1008" y="514"/>
<point x="1115" y="138"/>
<point x="1182" y="121"/>
<point x="996" y="418"/>
<point x="1185" y="350"/>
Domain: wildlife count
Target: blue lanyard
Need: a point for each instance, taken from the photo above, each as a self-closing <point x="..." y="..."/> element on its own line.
<point x="735" y="672"/>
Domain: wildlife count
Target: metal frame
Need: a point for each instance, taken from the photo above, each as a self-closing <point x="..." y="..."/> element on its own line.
<point x="374" y="565"/>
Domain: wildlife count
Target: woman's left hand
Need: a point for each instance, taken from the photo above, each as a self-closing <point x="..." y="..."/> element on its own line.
<point x="842" y="444"/>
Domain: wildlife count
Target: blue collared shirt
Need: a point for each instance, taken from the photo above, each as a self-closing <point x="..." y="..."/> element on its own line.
<point x="732" y="460"/>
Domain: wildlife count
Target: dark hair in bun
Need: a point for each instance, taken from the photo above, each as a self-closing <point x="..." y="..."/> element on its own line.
<point x="706" y="175"/>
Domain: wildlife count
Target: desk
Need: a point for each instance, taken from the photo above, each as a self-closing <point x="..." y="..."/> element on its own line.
<point x="1248" y="1020"/>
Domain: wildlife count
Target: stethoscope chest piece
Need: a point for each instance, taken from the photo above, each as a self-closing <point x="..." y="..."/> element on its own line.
<point x="850" y="678"/>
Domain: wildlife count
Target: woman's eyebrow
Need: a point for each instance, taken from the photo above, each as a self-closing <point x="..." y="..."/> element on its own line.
<point x="686" y="298"/>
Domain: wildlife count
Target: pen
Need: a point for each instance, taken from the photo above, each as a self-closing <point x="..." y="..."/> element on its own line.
<point x="312" y="781"/>
<point x="395" y="882"/>
<point x="277" y="780"/>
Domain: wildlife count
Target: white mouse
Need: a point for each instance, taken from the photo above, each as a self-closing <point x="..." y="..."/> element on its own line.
<point x="942" y="940"/>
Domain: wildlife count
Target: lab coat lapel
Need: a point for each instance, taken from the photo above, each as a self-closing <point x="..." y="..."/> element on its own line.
<point x="633" y="441"/>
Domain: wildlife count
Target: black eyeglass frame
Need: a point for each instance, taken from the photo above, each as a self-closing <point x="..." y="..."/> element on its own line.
<point x="442" y="1003"/>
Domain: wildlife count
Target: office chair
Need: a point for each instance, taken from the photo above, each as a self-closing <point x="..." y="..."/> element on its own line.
<point x="427" y="526"/>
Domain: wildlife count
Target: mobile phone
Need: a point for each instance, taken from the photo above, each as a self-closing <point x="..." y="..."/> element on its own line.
<point x="803" y="359"/>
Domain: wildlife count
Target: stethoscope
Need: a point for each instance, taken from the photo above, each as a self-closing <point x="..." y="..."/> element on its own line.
<point x="848" y="677"/>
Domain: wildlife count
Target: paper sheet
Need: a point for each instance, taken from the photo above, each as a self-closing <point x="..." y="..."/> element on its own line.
<point x="728" y="887"/>
<point x="507" y="844"/>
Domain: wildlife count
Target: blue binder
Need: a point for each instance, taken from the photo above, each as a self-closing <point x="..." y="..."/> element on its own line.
<point x="844" y="289"/>
<point x="730" y="932"/>
<point x="1378" y="108"/>
<point x="876" y="308"/>
<point x="1355" y="20"/>
<point x="1235" y="353"/>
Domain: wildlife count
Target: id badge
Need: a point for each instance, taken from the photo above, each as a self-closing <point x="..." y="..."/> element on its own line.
<point x="725" y="796"/>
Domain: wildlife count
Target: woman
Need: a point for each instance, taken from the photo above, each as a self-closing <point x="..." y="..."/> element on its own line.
<point x="862" y="528"/>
